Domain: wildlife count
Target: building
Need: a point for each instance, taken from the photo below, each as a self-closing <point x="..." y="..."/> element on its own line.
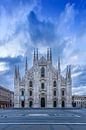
<point x="6" y="98"/>
<point x="79" y="101"/>
<point x="42" y="85"/>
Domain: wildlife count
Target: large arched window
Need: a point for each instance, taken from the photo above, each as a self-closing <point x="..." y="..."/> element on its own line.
<point x="30" y="93"/>
<point x="42" y="85"/>
<point x="54" y="83"/>
<point x="63" y="93"/>
<point x="42" y="72"/>
<point x="30" y="84"/>
<point x="54" y="92"/>
<point x="22" y="92"/>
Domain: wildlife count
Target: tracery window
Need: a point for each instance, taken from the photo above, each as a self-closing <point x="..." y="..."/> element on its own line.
<point x="30" y="93"/>
<point x="54" y="92"/>
<point x="22" y="92"/>
<point x="42" y="72"/>
<point x="62" y="92"/>
<point x="54" y="83"/>
<point x="42" y="85"/>
<point x="30" y="84"/>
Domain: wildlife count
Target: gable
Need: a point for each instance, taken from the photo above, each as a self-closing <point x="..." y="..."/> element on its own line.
<point x="42" y="61"/>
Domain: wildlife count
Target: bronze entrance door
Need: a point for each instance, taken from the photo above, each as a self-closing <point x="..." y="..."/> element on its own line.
<point x="42" y="102"/>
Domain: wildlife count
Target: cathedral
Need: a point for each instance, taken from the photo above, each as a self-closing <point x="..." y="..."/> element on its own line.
<point x="43" y="85"/>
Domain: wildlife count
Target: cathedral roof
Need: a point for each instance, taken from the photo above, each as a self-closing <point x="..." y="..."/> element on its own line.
<point x="42" y="61"/>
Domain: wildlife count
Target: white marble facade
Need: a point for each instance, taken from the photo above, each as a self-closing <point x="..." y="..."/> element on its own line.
<point x="42" y="85"/>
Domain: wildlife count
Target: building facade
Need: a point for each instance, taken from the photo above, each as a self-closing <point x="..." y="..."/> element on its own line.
<point x="79" y="101"/>
<point x="42" y="85"/>
<point x="6" y="98"/>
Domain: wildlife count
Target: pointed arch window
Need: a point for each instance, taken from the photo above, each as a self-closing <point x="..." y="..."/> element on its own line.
<point x="54" y="83"/>
<point x="42" y="72"/>
<point x="22" y="92"/>
<point x="30" y="93"/>
<point x="54" y="92"/>
<point x="30" y="84"/>
<point x="63" y="93"/>
<point x="42" y="85"/>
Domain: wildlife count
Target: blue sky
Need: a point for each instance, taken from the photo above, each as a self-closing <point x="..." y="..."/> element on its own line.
<point x="27" y="24"/>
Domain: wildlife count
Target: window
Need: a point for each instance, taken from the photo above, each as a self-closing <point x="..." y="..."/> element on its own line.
<point x="42" y="72"/>
<point x="54" y="92"/>
<point x="42" y="85"/>
<point x="30" y="93"/>
<point x="54" y="84"/>
<point x="30" y="84"/>
<point x="22" y="92"/>
<point x="62" y="92"/>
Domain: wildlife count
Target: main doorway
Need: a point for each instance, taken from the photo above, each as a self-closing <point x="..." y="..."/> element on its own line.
<point x="42" y="102"/>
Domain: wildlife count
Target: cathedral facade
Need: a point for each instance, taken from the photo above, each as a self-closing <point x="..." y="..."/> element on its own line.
<point x="42" y="86"/>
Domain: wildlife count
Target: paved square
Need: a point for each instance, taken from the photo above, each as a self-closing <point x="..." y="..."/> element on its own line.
<point x="43" y="119"/>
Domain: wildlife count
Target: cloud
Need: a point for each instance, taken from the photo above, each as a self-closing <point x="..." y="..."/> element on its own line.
<point x="66" y="21"/>
<point x="3" y="66"/>
<point x="40" y="31"/>
<point x="79" y="91"/>
<point x="14" y="47"/>
<point x="14" y="37"/>
<point x="7" y="65"/>
<point x="13" y="28"/>
<point x="76" y="74"/>
<point x="24" y="25"/>
<point x="23" y="29"/>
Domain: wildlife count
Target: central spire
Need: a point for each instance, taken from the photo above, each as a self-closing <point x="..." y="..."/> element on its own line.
<point x="35" y="58"/>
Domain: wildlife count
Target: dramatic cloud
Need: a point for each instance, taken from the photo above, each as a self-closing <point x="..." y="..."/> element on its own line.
<point x="41" y="31"/>
<point x="3" y="66"/>
<point x="81" y="90"/>
<point x="27" y="24"/>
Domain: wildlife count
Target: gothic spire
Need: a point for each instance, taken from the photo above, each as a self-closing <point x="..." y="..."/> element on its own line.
<point x="48" y="54"/>
<point x="35" y="58"/>
<point x="37" y="54"/>
<point x="15" y="71"/>
<point x="26" y="65"/>
<point x="68" y="73"/>
<point x="59" y="65"/>
<point x="18" y="73"/>
<point x="34" y="55"/>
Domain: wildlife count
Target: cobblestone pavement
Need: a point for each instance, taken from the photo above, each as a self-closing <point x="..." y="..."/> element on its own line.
<point x="43" y="119"/>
